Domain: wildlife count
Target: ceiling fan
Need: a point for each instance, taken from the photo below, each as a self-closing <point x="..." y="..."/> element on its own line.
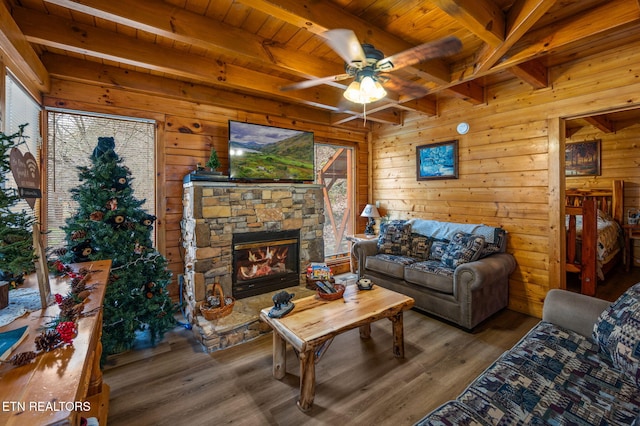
<point x="368" y="66"/>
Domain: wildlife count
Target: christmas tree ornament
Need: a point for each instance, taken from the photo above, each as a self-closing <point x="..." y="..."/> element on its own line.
<point x="120" y="183"/>
<point x="148" y="220"/>
<point x="82" y="251"/>
<point x="112" y="204"/>
<point x="96" y="216"/>
<point x="116" y="221"/>
<point x="78" y="235"/>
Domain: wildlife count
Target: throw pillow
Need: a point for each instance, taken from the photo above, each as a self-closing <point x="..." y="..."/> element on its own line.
<point x="438" y="247"/>
<point x="394" y="238"/>
<point x="617" y="333"/>
<point x="420" y="246"/>
<point x="462" y="248"/>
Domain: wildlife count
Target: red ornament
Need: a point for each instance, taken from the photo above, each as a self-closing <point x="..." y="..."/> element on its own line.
<point x="58" y="298"/>
<point x="67" y="331"/>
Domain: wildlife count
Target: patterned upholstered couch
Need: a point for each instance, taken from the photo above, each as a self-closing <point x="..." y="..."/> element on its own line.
<point x="456" y="271"/>
<point x="579" y="366"/>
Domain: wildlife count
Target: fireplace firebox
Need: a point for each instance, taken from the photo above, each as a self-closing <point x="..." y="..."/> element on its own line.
<point x="265" y="261"/>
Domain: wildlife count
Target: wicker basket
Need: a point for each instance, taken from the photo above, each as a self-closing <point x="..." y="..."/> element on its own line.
<point x="218" y="312"/>
<point x="332" y="296"/>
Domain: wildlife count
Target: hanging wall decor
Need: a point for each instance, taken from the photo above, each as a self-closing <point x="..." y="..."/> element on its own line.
<point x="582" y="158"/>
<point x="437" y="161"/>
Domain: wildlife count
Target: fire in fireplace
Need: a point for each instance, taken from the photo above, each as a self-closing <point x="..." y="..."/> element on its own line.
<point x="265" y="261"/>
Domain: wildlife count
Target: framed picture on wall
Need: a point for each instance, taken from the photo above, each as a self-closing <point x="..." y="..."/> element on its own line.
<point x="582" y="158"/>
<point x="437" y="161"/>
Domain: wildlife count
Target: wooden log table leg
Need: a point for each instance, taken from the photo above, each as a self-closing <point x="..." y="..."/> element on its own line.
<point x="307" y="379"/>
<point x="279" y="356"/>
<point x="365" y="331"/>
<point x="398" y="335"/>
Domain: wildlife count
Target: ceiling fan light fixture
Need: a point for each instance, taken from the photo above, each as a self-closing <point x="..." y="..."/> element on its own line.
<point x="364" y="90"/>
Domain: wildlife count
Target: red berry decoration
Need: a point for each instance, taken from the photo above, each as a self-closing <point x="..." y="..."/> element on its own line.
<point x="58" y="298"/>
<point x="67" y="331"/>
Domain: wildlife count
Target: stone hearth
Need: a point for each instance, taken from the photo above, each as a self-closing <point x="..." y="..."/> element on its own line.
<point x="212" y="213"/>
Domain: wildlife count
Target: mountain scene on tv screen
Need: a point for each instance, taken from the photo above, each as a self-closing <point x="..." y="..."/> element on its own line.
<point x="261" y="152"/>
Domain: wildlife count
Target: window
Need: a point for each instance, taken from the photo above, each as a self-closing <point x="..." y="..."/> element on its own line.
<point x="72" y="136"/>
<point x="21" y="109"/>
<point x="334" y="171"/>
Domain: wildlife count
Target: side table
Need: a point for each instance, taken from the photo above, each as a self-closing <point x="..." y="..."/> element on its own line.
<point x="354" y="239"/>
<point x="631" y="232"/>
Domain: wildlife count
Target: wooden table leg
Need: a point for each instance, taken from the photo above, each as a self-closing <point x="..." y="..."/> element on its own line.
<point x="279" y="356"/>
<point x="365" y="331"/>
<point x="307" y="379"/>
<point x="398" y="335"/>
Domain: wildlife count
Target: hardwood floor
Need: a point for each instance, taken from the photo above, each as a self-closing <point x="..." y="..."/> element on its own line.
<point x="359" y="382"/>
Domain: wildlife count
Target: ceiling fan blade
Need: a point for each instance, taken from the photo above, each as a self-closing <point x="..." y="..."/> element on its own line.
<point x="406" y="88"/>
<point x="315" y="82"/>
<point x="346" y="44"/>
<point x="443" y="47"/>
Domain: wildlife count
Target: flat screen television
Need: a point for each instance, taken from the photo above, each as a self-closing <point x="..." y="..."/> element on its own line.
<point x="266" y="153"/>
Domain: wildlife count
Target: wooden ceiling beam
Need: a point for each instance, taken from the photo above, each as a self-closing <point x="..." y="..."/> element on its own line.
<point x="20" y="56"/>
<point x="520" y="18"/>
<point x="95" y="74"/>
<point x="533" y="72"/>
<point x="481" y="17"/>
<point x="590" y="24"/>
<point x="88" y="40"/>
<point x="322" y="16"/>
<point x="602" y="123"/>
<point x="469" y="91"/>
<point x="191" y="28"/>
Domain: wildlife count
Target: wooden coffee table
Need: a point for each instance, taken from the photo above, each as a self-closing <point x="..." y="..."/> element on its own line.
<point x="313" y="323"/>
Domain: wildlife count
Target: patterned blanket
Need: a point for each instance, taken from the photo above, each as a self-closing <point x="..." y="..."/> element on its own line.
<point x="552" y="376"/>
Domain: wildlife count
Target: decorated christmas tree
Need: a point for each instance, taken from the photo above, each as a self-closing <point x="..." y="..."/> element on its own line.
<point x="16" y="238"/>
<point x="111" y="224"/>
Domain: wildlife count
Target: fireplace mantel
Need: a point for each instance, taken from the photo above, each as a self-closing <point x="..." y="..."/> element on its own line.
<point x="214" y="211"/>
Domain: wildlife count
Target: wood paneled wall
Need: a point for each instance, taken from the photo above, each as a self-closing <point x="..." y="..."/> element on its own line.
<point x="186" y="132"/>
<point x="510" y="162"/>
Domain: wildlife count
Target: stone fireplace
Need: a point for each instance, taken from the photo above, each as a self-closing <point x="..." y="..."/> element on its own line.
<point x="249" y="238"/>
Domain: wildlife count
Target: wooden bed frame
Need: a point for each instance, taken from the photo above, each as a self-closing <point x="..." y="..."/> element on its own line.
<point x="586" y="202"/>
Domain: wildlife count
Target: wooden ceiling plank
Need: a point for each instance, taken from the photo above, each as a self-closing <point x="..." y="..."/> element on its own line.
<point x="51" y="31"/>
<point x="20" y="56"/>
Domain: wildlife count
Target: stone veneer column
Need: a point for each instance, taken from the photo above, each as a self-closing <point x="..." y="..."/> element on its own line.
<point x="214" y="211"/>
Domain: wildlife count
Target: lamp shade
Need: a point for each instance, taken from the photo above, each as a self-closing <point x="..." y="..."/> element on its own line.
<point x="364" y="90"/>
<point x="370" y="211"/>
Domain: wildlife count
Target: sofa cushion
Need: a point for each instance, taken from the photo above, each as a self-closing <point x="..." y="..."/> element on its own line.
<point x="394" y="238"/>
<point x="496" y="244"/>
<point x="388" y="264"/>
<point x="430" y="274"/>
<point x="462" y="248"/>
<point x="420" y="246"/>
<point x="437" y="249"/>
<point x="617" y="332"/>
